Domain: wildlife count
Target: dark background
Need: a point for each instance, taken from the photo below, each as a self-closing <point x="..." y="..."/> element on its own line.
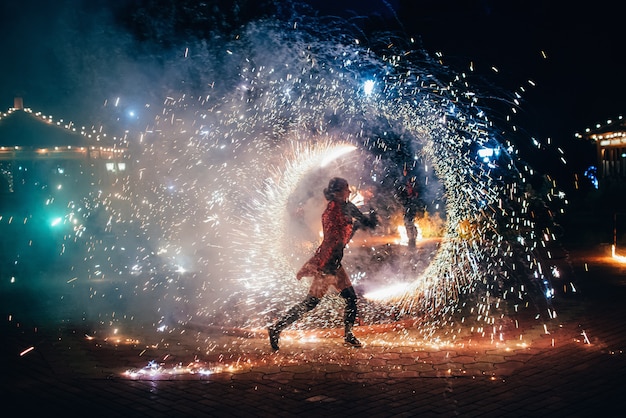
<point x="581" y="78"/>
<point x="66" y="58"/>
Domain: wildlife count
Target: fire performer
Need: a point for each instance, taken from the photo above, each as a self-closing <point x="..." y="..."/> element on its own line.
<point x="409" y="198"/>
<point x="340" y="221"/>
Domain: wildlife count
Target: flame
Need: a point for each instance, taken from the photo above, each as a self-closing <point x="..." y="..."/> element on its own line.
<point x="394" y="290"/>
<point x="617" y="257"/>
<point x="404" y="237"/>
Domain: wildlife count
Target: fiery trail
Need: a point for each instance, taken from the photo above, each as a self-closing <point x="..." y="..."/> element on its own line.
<point x="220" y="203"/>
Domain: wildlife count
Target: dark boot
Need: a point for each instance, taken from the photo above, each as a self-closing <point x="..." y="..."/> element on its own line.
<point x="274" y="336"/>
<point x="290" y="317"/>
<point x="350" y="316"/>
<point x="350" y="339"/>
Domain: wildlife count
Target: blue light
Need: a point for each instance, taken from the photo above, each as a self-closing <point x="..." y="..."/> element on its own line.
<point x="485" y="152"/>
<point x="368" y="87"/>
<point x="591" y="174"/>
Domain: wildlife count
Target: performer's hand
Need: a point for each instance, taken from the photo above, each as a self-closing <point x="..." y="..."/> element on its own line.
<point x="304" y="272"/>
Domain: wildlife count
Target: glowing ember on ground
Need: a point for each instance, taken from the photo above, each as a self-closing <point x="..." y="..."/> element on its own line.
<point x="617" y="257"/>
<point x="301" y="347"/>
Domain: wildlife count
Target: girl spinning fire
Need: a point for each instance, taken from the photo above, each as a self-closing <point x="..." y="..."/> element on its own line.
<point x="340" y="221"/>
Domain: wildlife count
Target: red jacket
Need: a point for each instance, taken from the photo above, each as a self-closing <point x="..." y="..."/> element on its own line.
<point x="338" y="229"/>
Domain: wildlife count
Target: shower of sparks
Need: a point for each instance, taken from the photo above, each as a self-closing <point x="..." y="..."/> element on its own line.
<point x="219" y="200"/>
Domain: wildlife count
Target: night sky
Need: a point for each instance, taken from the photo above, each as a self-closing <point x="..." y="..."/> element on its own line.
<point x="66" y="58"/>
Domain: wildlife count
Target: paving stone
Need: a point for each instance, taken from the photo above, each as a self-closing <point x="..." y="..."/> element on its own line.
<point x="564" y="373"/>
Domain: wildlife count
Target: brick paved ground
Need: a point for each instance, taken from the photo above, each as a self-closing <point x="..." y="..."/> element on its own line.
<point x="575" y="370"/>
